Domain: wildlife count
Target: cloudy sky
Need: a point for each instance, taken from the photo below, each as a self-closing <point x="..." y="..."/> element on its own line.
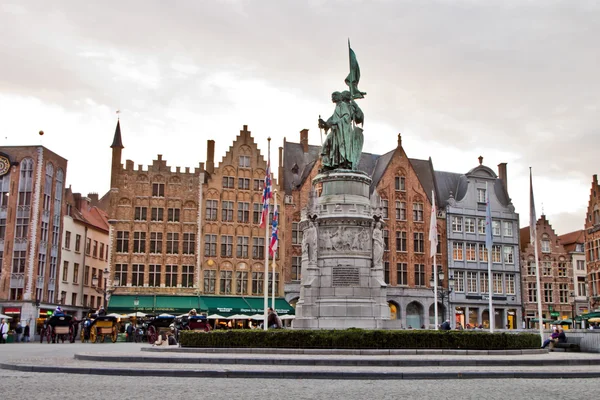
<point x="513" y="81"/>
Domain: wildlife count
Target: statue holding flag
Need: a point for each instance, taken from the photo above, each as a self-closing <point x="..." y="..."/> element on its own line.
<point x="343" y="145"/>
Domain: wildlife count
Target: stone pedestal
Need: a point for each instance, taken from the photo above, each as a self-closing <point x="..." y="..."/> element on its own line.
<point x="341" y="287"/>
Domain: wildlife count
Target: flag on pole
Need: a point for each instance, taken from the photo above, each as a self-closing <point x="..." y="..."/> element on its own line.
<point x="532" y="217"/>
<point x="488" y="220"/>
<point x="266" y="196"/>
<point x="275" y="230"/>
<point x="433" y="234"/>
<point x="354" y="75"/>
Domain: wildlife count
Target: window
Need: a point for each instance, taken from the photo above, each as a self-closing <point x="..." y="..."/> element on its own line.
<point x="531" y="268"/>
<point x="189" y="243"/>
<point x="531" y="292"/>
<point x="258" y="248"/>
<point x="510" y="283"/>
<point x="483" y="282"/>
<point x="257" y="282"/>
<point x="469" y="225"/>
<point x="241" y="282"/>
<point x="95" y="249"/>
<point x="562" y="269"/>
<point x="580" y="265"/>
<point x="498" y="284"/>
<point x="495" y="228"/>
<point x="385" y="208"/>
<point x="65" y="274"/>
<point x="225" y="282"/>
<point x="386" y="240"/>
<point x="545" y="246"/>
<point x="67" y="237"/>
<point x="256" y="212"/>
<point x="581" y="286"/>
<point x="472" y="282"/>
<point x="296" y="234"/>
<point x="139" y="242"/>
<point x="438" y="248"/>
<point x="156" y="242"/>
<point x="459" y="281"/>
<point x="244" y="162"/>
<point x="508" y="228"/>
<point x="457" y="251"/>
<point x="73" y="299"/>
<point x="401" y="211"/>
<point x="228" y="182"/>
<point x="276" y="281"/>
<point x="154" y="275"/>
<point x="419" y="275"/>
<point x="481" y="195"/>
<point x="259" y="184"/>
<point x="78" y="242"/>
<point x="140" y="214"/>
<point x="41" y="264"/>
<point x="386" y="272"/>
<point x="227" y="211"/>
<point x="296" y="269"/>
<point x="122" y="242"/>
<point x="137" y="275"/>
<point x="157" y="214"/>
<point x="101" y="252"/>
<point x="226" y="246"/>
<point x="187" y="276"/>
<point x="483" y="253"/>
<point x="497" y="254"/>
<point x="170" y="275"/>
<point x="88" y="244"/>
<point x="509" y="257"/>
<point x="242" y="246"/>
<point x="18" y="261"/>
<point x="418" y="212"/>
<point x="470" y="251"/>
<point x="120" y="277"/>
<point x="172" y="243"/>
<point x="211" y="210"/>
<point x="22" y="228"/>
<point x="210" y="245"/>
<point x="548" y="293"/>
<point x="401" y="241"/>
<point x="457" y="224"/>
<point x="244" y="183"/>
<point x="547" y="268"/>
<point x="402" y="274"/>
<point x="158" y="190"/>
<point x="75" y="273"/>
<point x="400" y="183"/>
<point x="243" y="212"/>
<point x="563" y="293"/>
<point x="418" y="242"/>
<point x="172" y="214"/>
<point x="481" y="226"/>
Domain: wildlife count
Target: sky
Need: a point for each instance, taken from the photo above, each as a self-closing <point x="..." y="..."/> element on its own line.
<point x="512" y="81"/>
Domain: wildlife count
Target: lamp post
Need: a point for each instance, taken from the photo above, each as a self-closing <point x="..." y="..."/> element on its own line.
<point x="573" y="310"/>
<point x="95" y="282"/>
<point x="443" y="293"/>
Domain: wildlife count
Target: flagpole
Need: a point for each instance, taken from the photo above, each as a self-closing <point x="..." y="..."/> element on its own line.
<point x="274" y="253"/>
<point x="432" y="250"/>
<point x="489" y="244"/>
<point x="265" y="248"/>
<point x="350" y="65"/>
<point x="533" y="239"/>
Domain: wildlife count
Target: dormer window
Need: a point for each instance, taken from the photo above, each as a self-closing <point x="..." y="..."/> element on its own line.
<point x="481" y="195"/>
<point x="295" y="169"/>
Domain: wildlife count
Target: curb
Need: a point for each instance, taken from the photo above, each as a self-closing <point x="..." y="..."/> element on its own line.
<point x="300" y="374"/>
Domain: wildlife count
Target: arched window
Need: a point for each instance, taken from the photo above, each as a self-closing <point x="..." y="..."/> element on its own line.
<point x="26" y="182"/>
<point x="4" y="189"/>
<point x="48" y="186"/>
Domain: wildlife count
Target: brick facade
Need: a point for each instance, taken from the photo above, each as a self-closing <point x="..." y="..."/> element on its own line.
<point x="592" y="243"/>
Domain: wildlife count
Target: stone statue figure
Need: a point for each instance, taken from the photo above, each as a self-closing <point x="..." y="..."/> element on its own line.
<point x="336" y="150"/>
<point x="378" y="245"/>
<point x="309" y="242"/>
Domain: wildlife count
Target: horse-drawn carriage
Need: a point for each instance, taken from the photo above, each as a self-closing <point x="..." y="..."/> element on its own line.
<point x="157" y="325"/>
<point x="198" y="323"/>
<point x="98" y="328"/>
<point x="57" y="327"/>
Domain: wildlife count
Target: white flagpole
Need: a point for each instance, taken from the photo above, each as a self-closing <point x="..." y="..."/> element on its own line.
<point x="266" y="249"/>
<point x="433" y="250"/>
<point x="533" y="240"/>
<point x="275" y="252"/>
<point x="491" y="314"/>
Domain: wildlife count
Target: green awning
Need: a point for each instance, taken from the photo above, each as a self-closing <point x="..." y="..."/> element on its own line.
<point x="589" y="315"/>
<point x="152" y="304"/>
<point x="546" y="320"/>
<point x="282" y="307"/>
<point x="224" y="305"/>
<point x="562" y="322"/>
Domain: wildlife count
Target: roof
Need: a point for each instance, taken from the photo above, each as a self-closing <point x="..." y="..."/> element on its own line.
<point x="117" y="142"/>
<point x="571" y="240"/>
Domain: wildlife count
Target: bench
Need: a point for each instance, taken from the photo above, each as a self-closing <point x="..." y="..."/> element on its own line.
<point x="572" y="344"/>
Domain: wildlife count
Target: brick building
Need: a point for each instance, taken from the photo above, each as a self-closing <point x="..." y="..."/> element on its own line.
<point x="556" y="274"/>
<point x="574" y="244"/>
<point x="31" y="213"/>
<point x="186" y="239"/>
<point x="592" y="244"/>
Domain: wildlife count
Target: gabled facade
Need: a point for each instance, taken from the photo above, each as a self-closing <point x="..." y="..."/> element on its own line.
<point x="556" y="274"/>
<point x="464" y="200"/>
<point x="592" y="244"/>
<point x="574" y="244"/>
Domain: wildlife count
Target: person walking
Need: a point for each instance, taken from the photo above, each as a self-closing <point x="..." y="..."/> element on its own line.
<point x="19" y="332"/>
<point x="26" y="333"/>
<point x="446" y="325"/>
<point x="3" y="331"/>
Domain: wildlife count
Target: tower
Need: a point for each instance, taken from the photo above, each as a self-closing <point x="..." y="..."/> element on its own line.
<point x="117" y="147"/>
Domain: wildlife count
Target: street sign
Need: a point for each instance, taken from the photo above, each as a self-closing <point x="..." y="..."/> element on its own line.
<point x="555" y="314"/>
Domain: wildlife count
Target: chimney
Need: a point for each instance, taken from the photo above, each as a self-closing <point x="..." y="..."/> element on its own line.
<point x="93" y="198"/>
<point x="399" y="140"/>
<point x="210" y="156"/>
<point x="304" y="140"/>
<point x="502" y="175"/>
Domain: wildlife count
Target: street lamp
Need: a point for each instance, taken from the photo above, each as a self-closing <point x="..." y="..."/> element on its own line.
<point x="105" y="274"/>
<point x="573" y="310"/>
<point x="442" y="292"/>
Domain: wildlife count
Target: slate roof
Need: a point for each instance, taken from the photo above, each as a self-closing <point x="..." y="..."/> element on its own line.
<point x="572" y="239"/>
<point x="117" y="142"/>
